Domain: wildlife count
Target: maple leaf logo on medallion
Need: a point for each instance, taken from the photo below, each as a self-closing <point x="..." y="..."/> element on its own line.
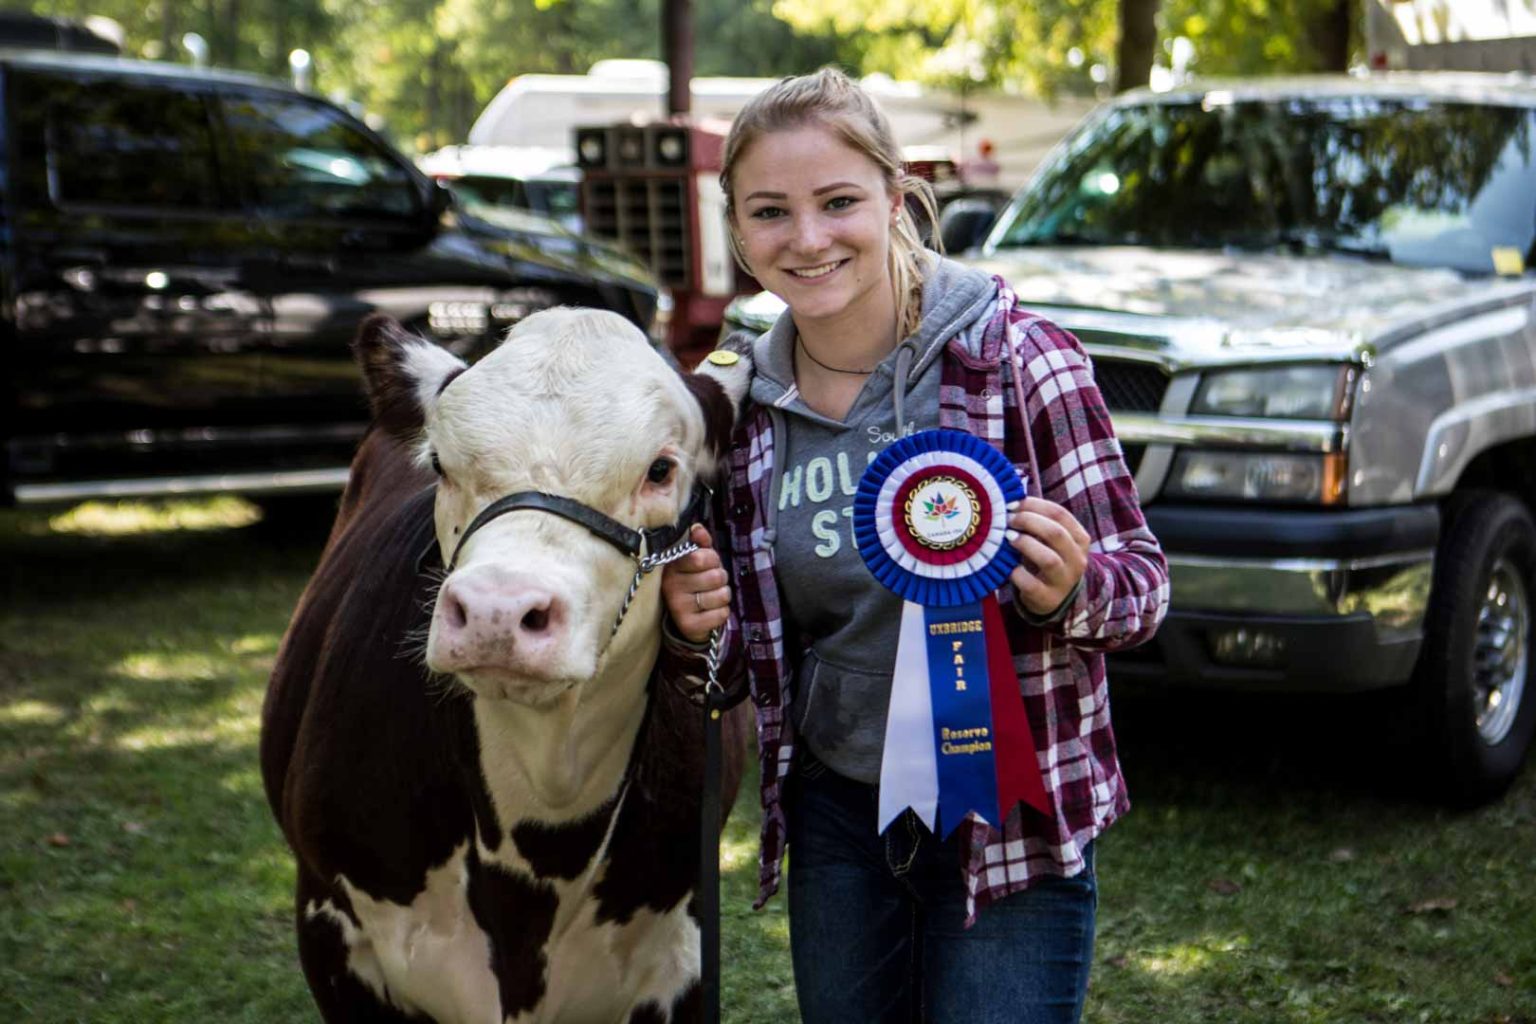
<point x="940" y="507"/>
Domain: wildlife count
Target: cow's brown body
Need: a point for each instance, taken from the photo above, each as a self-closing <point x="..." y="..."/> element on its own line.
<point x="422" y="893"/>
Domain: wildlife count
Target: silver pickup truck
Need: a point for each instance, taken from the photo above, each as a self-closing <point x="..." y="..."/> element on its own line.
<point x="1309" y="306"/>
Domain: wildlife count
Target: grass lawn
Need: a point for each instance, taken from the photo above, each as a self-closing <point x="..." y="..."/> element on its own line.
<point x="1272" y="869"/>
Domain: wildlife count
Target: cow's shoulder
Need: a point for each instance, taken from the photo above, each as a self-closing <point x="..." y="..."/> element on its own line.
<point x="376" y="788"/>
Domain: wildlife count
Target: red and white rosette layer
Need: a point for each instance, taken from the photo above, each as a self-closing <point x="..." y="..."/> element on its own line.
<point x="911" y="552"/>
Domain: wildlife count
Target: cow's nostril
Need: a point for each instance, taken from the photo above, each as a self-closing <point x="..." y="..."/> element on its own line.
<point x="536" y="621"/>
<point x="454" y="614"/>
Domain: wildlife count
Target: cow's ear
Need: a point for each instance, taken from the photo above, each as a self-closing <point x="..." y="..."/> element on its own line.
<point x="404" y="373"/>
<point x="719" y="383"/>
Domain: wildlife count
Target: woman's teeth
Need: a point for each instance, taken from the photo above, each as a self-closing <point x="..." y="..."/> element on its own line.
<point x="821" y="271"/>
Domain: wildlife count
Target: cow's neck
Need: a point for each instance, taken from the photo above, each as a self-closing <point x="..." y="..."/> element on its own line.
<point x="563" y="761"/>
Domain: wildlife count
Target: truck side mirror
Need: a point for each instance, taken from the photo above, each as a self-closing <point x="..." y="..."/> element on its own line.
<point x="965" y="223"/>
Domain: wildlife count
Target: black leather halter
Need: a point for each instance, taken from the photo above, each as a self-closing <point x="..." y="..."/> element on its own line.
<point x="637" y="544"/>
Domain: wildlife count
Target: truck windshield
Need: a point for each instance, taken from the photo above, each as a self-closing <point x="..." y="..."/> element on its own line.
<point x="1444" y="184"/>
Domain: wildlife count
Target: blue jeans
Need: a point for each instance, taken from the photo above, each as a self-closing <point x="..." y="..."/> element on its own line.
<point x="876" y="923"/>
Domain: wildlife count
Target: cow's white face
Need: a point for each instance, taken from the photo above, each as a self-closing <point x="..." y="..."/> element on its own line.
<point x="573" y="403"/>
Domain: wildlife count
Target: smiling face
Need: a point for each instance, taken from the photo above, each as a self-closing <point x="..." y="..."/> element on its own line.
<point x="814" y="217"/>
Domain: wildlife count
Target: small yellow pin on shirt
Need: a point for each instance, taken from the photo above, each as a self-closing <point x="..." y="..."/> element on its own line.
<point x="720" y="357"/>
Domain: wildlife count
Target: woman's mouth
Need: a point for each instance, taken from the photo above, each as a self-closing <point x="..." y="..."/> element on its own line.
<point x="812" y="273"/>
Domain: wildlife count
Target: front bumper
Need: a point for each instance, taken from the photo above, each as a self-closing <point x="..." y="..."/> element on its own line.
<point x="1314" y="601"/>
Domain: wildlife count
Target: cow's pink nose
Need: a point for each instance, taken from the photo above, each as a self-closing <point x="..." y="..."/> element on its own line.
<point x="498" y="620"/>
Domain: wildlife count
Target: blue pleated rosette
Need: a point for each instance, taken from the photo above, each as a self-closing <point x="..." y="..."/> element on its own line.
<point x="912" y="485"/>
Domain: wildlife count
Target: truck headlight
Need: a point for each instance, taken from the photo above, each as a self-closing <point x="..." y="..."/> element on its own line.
<point x="1315" y="391"/>
<point x="1303" y="478"/>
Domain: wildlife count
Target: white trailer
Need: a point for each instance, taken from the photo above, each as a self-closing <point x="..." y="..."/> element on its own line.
<point x="1451" y="35"/>
<point x="542" y="110"/>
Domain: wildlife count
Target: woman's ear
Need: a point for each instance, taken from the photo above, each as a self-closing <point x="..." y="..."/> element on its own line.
<point x="737" y="247"/>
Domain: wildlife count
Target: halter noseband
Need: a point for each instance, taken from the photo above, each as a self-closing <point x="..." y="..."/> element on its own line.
<point x="659" y="545"/>
<point x="629" y="541"/>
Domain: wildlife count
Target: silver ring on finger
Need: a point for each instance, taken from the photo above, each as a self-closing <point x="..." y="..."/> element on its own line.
<point x="698" y="602"/>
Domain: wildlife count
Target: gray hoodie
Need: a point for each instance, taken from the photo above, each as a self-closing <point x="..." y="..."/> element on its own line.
<point x="847" y="619"/>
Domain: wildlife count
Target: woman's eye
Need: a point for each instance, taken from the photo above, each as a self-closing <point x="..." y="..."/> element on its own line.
<point x="660" y="470"/>
<point x="766" y="212"/>
<point x="840" y="202"/>
<point x="437" y="465"/>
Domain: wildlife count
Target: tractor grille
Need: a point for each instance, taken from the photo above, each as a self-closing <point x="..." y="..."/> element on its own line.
<point x="645" y="216"/>
<point x="1129" y="386"/>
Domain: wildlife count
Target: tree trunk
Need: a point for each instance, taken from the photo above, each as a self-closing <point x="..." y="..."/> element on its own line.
<point x="228" y="51"/>
<point x="170" y="42"/>
<point x="1138" y="38"/>
<point x="280" y="16"/>
<point x="432" y="104"/>
<point x="1329" y="30"/>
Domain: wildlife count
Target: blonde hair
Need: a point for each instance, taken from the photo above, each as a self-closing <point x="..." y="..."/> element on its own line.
<point x="831" y="99"/>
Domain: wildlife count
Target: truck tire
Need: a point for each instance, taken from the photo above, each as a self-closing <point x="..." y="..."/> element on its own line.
<point x="1473" y="682"/>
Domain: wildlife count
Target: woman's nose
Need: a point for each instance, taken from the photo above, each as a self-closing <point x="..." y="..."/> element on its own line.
<point x="810" y="234"/>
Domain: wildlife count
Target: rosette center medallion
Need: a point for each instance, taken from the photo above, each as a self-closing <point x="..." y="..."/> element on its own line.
<point x="942" y="512"/>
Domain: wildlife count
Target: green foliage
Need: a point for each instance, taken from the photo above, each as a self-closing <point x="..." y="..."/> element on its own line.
<point x="1248" y="37"/>
<point x="427" y="67"/>
<point x="1051" y="46"/>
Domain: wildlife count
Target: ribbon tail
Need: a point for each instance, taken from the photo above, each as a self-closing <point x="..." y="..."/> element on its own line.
<point x="1018" y="764"/>
<point x="909" y="775"/>
<point x="958" y="679"/>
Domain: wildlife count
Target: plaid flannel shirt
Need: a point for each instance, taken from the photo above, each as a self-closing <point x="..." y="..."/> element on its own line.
<point x="1060" y="665"/>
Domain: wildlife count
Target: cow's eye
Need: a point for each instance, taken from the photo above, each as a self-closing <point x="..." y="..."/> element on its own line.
<point x="660" y="471"/>
<point x="437" y="464"/>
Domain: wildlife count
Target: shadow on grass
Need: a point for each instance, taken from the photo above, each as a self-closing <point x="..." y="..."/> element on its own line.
<point x="1342" y="744"/>
<point x="123" y="560"/>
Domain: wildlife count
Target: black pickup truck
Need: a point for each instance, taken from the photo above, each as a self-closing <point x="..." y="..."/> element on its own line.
<point x="184" y="257"/>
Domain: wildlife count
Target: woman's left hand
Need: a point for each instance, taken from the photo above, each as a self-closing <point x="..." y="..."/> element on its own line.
<point x="1053" y="550"/>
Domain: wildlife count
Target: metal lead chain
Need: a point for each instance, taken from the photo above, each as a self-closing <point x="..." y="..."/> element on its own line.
<point x="646" y="565"/>
<point x="650" y="563"/>
<point x="712" y="684"/>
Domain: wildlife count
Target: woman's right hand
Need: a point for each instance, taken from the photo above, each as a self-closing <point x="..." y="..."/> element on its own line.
<point x="697" y="590"/>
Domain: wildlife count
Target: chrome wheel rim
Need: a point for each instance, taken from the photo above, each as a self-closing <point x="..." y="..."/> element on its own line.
<point x="1501" y="656"/>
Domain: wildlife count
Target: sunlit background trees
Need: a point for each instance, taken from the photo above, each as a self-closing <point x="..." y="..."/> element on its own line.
<point x="424" y="68"/>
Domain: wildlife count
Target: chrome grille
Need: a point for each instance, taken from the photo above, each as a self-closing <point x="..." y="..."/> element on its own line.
<point x="1129" y="386"/>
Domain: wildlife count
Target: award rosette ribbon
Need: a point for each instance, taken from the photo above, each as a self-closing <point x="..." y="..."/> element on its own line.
<point x="929" y="519"/>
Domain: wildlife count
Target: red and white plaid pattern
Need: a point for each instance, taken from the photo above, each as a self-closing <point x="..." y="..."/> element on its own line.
<point x="1060" y="666"/>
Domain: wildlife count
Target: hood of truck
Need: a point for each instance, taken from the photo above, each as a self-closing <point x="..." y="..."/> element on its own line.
<point x="1211" y="306"/>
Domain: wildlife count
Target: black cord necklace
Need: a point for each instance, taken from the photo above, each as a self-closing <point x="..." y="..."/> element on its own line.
<point x="835" y="369"/>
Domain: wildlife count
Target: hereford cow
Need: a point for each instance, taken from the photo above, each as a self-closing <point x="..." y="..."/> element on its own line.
<point x="492" y="792"/>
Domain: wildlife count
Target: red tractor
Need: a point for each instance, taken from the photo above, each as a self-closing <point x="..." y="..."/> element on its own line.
<point x="655" y="190"/>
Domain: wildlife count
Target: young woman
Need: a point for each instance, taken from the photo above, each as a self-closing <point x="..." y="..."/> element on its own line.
<point x="883" y="338"/>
